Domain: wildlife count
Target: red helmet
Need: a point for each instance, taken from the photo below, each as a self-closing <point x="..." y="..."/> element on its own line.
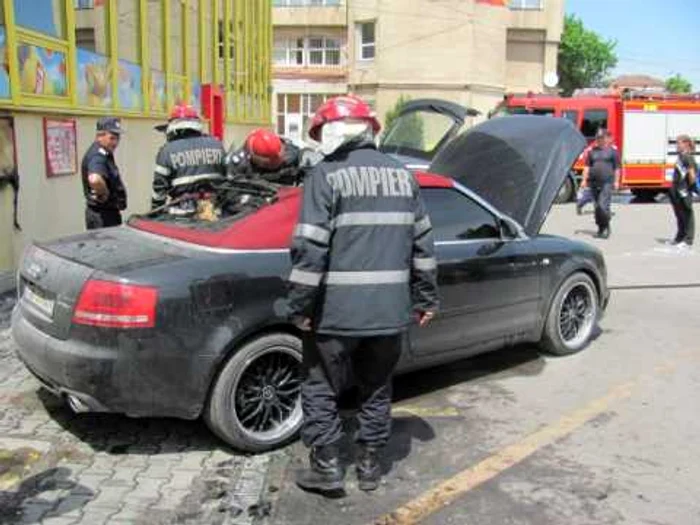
<point x="264" y="143"/>
<point x="183" y="117"/>
<point x="183" y="111"/>
<point x="340" y="108"/>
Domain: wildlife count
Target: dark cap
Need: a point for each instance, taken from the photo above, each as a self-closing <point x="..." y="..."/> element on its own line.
<point x="602" y="133"/>
<point x="161" y="127"/>
<point x="110" y="125"/>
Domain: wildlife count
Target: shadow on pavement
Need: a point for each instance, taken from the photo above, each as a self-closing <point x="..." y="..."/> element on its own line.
<point x="11" y="502"/>
<point x="119" y="434"/>
<point x="520" y="360"/>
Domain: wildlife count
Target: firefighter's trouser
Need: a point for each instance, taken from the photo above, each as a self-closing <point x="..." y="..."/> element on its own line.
<point x="685" y="219"/>
<point x="329" y="363"/>
<point x="602" y="195"/>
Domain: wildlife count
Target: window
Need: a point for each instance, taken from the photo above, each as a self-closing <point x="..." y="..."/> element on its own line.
<point x="417" y="133"/>
<point x="547" y="112"/>
<point x="84" y="4"/>
<point x="43" y="16"/>
<point x="526" y="4"/>
<point x="456" y="217"/>
<point x="593" y="119"/>
<point x="570" y="115"/>
<point x="314" y="51"/>
<point x="324" y="51"/>
<point x="366" y="39"/>
<point x="128" y="38"/>
<point x="295" y="110"/>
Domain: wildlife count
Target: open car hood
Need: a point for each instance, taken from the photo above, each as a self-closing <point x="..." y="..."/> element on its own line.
<point x="516" y="163"/>
<point x="421" y="129"/>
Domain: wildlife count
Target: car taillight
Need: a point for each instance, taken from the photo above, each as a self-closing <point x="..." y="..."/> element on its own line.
<point x="116" y="305"/>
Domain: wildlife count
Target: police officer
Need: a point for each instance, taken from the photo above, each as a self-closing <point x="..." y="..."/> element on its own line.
<point x="267" y="155"/>
<point x="105" y="194"/>
<point x="685" y="173"/>
<point x="363" y="266"/>
<point x="602" y="173"/>
<point x="189" y="161"/>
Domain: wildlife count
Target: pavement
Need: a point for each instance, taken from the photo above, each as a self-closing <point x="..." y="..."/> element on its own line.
<point x="511" y="437"/>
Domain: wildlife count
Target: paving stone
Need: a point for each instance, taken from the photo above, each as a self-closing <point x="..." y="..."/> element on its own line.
<point x="72" y="504"/>
<point x="89" y="483"/>
<point x="110" y="497"/>
<point x="156" y="472"/>
<point x="181" y="479"/>
<point x="97" y="516"/>
<point x="147" y="492"/>
<point x="125" y="475"/>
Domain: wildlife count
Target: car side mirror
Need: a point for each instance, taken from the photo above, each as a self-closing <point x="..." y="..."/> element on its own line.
<point x="508" y="229"/>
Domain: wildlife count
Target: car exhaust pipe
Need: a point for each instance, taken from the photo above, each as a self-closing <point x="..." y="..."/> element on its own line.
<point x="77" y="405"/>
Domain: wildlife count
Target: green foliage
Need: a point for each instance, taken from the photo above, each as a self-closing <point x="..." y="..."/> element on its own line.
<point x="411" y="131"/>
<point x="678" y="84"/>
<point x="585" y="58"/>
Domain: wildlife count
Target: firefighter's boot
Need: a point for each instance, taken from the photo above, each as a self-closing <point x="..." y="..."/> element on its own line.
<point x="325" y="473"/>
<point x="368" y="470"/>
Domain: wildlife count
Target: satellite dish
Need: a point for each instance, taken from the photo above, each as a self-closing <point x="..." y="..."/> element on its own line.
<point x="551" y="79"/>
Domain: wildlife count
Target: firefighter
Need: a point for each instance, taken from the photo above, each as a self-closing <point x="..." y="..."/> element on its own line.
<point x="685" y="174"/>
<point x="105" y="193"/>
<point x="189" y="161"/>
<point x="265" y="154"/>
<point x="602" y="174"/>
<point x="363" y="266"/>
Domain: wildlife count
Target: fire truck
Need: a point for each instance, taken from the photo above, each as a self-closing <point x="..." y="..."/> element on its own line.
<point x="644" y="128"/>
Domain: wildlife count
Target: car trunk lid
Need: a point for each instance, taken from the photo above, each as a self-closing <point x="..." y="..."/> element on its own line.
<point x="52" y="274"/>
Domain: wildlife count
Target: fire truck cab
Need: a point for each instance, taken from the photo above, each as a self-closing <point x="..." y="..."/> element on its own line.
<point x="644" y="129"/>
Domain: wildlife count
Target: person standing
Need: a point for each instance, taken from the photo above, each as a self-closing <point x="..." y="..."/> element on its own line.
<point x="103" y="188"/>
<point x="363" y="266"/>
<point x="685" y="174"/>
<point x="188" y="161"/>
<point x="602" y="174"/>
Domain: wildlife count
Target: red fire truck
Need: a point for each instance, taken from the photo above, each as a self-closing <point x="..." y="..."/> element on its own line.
<point x="644" y="128"/>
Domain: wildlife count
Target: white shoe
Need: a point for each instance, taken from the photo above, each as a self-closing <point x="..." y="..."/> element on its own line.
<point x="684" y="246"/>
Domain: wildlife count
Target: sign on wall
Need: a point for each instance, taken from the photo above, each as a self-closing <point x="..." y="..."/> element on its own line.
<point x="60" y="144"/>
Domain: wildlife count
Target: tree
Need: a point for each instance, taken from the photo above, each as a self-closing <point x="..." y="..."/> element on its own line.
<point x="410" y="132"/>
<point x="678" y="84"/>
<point x="585" y="58"/>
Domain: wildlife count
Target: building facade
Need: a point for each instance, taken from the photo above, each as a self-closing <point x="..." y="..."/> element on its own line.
<point x="68" y="62"/>
<point x="467" y="51"/>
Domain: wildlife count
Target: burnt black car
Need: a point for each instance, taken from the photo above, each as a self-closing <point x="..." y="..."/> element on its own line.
<point x="183" y="319"/>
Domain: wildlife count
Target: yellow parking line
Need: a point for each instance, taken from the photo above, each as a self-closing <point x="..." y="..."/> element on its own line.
<point x="446" y="492"/>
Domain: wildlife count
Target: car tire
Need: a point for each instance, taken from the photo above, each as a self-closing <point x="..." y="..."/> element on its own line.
<point x="572" y="317"/>
<point x="566" y="192"/>
<point x="255" y="404"/>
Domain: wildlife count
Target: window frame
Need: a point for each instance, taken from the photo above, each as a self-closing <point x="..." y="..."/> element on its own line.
<point x="362" y="45"/>
<point x="583" y="120"/>
<point x="289" y="48"/>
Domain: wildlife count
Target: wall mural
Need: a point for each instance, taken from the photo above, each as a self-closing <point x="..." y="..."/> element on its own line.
<point x="94" y="79"/>
<point x="130" y="86"/>
<point x="42" y="71"/>
<point x="157" y="91"/>
<point x="4" y="65"/>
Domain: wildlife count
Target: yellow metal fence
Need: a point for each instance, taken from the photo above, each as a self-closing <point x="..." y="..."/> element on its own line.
<point x="224" y="42"/>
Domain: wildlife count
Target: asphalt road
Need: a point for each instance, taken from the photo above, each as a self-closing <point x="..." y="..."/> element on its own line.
<point x="604" y="437"/>
<point x="513" y="437"/>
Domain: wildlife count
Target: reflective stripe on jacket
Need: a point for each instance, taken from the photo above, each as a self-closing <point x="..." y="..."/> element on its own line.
<point x="363" y="256"/>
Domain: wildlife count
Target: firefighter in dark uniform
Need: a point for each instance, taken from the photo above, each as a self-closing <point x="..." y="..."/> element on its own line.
<point x="685" y="174"/>
<point x="105" y="194"/>
<point x="363" y="270"/>
<point x="602" y="174"/>
<point x="268" y="156"/>
<point x="188" y="162"/>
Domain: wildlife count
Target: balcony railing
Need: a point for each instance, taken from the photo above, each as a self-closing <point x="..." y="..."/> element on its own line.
<point x="307" y="3"/>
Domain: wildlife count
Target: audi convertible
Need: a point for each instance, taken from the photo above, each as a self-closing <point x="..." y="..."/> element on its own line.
<point x="184" y="318"/>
